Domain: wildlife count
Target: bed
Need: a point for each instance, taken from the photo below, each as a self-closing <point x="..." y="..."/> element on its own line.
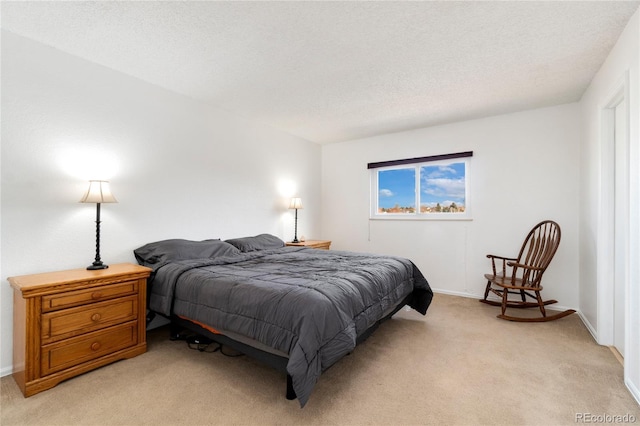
<point x="297" y="309"/>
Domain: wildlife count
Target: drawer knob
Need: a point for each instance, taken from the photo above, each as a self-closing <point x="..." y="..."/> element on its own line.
<point x="95" y="317"/>
<point x="96" y="295"/>
<point x="95" y="346"/>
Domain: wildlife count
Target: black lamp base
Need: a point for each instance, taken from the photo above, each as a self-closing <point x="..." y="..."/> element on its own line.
<point x="295" y="234"/>
<point x="97" y="265"/>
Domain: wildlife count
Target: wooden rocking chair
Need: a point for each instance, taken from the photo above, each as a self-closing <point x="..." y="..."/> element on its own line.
<point x="525" y="274"/>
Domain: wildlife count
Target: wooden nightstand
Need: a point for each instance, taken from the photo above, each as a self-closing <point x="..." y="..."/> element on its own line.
<point x="317" y="244"/>
<point x="66" y="323"/>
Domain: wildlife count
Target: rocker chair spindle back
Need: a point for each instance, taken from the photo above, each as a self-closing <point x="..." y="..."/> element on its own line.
<point x="527" y="269"/>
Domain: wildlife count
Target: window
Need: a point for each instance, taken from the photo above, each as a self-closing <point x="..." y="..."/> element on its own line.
<point x="421" y="188"/>
<point x="396" y="191"/>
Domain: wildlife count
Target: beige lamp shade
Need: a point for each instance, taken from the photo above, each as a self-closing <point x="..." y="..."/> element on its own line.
<point x="296" y="203"/>
<point x="98" y="192"/>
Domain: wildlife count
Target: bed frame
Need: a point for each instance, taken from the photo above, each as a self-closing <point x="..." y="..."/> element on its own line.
<point x="179" y="325"/>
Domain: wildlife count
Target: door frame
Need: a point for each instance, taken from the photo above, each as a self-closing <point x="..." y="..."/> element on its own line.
<point x="606" y="233"/>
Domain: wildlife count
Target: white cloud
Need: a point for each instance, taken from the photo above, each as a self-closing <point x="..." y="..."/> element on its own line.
<point x="450" y="187"/>
<point x="448" y="169"/>
<point x="386" y="193"/>
<point x="441" y="171"/>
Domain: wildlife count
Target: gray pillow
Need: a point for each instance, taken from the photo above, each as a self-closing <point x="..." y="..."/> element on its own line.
<point x="259" y="242"/>
<point x="177" y="249"/>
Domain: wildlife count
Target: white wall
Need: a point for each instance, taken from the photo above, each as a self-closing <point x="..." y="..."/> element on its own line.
<point x="620" y="68"/>
<point x="179" y="169"/>
<point x="524" y="169"/>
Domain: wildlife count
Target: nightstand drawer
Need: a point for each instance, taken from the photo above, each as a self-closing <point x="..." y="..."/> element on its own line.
<point x="75" y="351"/>
<point x="71" y="322"/>
<point x="81" y="297"/>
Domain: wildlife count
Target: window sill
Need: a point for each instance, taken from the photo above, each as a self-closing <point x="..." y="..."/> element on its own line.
<point x="439" y="217"/>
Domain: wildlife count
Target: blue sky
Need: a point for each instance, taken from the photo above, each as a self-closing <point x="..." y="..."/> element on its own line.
<point x="442" y="184"/>
<point x="396" y="187"/>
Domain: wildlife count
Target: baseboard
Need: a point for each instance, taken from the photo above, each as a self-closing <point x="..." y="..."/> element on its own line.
<point x="457" y="293"/>
<point x="6" y="371"/>
<point x="587" y="324"/>
<point x="554" y="307"/>
<point x="635" y="392"/>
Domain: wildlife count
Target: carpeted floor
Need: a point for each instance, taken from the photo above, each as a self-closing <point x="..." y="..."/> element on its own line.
<point x="458" y="365"/>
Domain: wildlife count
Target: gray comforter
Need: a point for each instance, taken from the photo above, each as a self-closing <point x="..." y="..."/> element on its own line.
<point x="310" y="304"/>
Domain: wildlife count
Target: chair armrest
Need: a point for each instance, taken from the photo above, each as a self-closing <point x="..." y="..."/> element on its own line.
<point x="493" y="256"/>
<point x="523" y="266"/>
<point x="504" y="260"/>
<point x="530" y="276"/>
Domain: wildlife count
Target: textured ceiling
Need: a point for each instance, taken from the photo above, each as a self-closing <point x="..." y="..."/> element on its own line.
<point x="334" y="71"/>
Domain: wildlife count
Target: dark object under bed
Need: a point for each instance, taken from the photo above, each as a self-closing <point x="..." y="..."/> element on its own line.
<point x="297" y="309"/>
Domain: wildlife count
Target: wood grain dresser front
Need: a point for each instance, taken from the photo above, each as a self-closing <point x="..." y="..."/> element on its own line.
<point x="66" y="323"/>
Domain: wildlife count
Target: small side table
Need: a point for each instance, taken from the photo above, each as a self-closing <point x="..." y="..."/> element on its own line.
<point x="316" y="244"/>
<point x="66" y="323"/>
